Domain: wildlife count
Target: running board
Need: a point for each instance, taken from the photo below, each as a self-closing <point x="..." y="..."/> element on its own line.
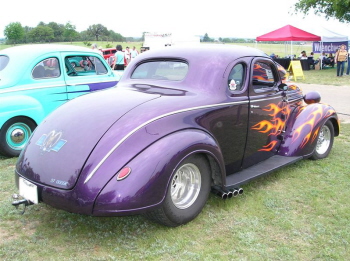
<point x="262" y="168"/>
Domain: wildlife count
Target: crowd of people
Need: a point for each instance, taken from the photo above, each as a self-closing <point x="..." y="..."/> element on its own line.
<point x="339" y="59"/>
<point x="121" y="58"/>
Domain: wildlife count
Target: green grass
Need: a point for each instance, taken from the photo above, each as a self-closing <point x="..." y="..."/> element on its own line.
<point x="298" y="213"/>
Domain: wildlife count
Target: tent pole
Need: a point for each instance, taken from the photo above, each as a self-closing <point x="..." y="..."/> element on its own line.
<point x="291" y="50"/>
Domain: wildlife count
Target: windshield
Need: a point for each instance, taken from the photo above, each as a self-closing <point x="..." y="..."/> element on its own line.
<point x="161" y="70"/>
<point x="4" y="60"/>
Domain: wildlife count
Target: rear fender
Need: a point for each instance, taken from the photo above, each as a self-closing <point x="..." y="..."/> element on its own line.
<point x="301" y="133"/>
<point x="20" y="105"/>
<point x="151" y="171"/>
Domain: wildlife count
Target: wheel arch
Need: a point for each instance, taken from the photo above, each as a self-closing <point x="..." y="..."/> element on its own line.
<point x="301" y="135"/>
<point x="146" y="187"/>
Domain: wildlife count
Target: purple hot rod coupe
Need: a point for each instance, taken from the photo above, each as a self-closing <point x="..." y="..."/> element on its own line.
<point x="181" y="123"/>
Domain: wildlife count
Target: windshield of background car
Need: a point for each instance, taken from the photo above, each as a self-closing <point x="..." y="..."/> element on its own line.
<point x="161" y="70"/>
<point x="4" y="60"/>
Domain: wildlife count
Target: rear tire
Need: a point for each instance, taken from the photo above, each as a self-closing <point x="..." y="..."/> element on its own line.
<point x="324" y="141"/>
<point x="14" y="135"/>
<point x="187" y="193"/>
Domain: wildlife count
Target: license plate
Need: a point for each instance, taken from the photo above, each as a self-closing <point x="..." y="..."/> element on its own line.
<point x="28" y="190"/>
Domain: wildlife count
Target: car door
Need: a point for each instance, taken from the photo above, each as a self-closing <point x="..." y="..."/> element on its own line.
<point x="46" y="83"/>
<point x="268" y="112"/>
<point x="230" y="128"/>
<point x="91" y="74"/>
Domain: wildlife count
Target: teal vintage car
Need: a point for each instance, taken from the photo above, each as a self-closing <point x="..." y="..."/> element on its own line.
<point x="36" y="79"/>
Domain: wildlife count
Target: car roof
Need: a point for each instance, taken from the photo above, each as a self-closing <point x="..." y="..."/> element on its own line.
<point x="38" y="49"/>
<point x="22" y="57"/>
<point x="225" y="51"/>
<point x="207" y="64"/>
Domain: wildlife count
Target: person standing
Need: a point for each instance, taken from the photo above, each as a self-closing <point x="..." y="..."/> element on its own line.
<point x="134" y="53"/>
<point x="348" y="70"/>
<point x="95" y="49"/>
<point x="340" y="59"/>
<point x="127" y="56"/>
<point x="118" y="63"/>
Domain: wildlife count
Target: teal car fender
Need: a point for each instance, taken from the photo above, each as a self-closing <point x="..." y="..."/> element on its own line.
<point x="20" y="105"/>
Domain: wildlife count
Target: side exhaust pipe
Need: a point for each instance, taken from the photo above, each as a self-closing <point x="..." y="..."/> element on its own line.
<point x="220" y="192"/>
<point x="235" y="192"/>
<point x="240" y="191"/>
<point x="225" y="194"/>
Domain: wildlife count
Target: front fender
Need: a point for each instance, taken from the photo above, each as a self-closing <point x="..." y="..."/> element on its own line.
<point x="20" y="105"/>
<point x="152" y="169"/>
<point x="302" y="130"/>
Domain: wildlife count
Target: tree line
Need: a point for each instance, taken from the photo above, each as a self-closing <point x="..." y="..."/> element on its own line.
<point x="15" y="33"/>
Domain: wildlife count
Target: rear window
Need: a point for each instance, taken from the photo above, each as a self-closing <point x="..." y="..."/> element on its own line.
<point x="161" y="70"/>
<point x="4" y="60"/>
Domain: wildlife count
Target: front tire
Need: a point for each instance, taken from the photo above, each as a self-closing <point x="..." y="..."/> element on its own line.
<point x="14" y="134"/>
<point x="324" y="142"/>
<point x="187" y="193"/>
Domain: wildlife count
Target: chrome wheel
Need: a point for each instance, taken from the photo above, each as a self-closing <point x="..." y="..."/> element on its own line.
<point x="14" y="135"/>
<point x="185" y="186"/>
<point x="324" y="140"/>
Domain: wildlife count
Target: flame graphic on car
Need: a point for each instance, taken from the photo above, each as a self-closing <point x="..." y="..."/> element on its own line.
<point x="318" y="113"/>
<point x="280" y="114"/>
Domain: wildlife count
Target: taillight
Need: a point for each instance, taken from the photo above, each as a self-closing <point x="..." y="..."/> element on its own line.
<point x="123" y="173"/>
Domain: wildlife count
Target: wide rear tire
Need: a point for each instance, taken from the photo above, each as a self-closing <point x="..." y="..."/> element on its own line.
<point x="14" y="135"/>
<point x="324" y="142"/>
<point x="187" y="193"/>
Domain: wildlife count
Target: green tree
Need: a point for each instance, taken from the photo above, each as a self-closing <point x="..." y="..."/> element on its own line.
<point x="339" y="9"/>
<point x="115" y="37"/>
<point x="14" y="32"/>
<point x="206" y="38"/>
<point x="97" y="30"/>
<point x="69" y="32"/>
<point x="41" y="33"/>
<point x="58" y="30"/>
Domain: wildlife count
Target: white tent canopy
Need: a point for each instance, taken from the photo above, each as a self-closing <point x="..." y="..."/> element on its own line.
<point x="328" y="35"/>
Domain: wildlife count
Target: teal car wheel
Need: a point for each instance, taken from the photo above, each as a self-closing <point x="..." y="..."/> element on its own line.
<point x="14" y="135"/>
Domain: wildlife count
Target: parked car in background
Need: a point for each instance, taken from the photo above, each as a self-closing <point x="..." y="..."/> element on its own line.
<point x="36" y="79"/>
<point x="182" y="122"/>
<point x="108" y="52"/>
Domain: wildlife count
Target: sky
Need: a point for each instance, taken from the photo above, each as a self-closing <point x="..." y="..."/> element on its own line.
<point x="219" y="18"/>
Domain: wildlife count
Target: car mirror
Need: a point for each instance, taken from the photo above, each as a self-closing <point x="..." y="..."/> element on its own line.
<point x="283" y="87"/>
<point x="312" y="97"/>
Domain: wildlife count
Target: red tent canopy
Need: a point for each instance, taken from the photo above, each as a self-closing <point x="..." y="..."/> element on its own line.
<point x="288" y="33"/>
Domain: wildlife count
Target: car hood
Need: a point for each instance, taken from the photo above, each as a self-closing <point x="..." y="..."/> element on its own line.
<point x="62" y="143"/>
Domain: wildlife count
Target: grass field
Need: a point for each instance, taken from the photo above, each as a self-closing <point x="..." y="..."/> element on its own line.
<point x="298" y="213"/>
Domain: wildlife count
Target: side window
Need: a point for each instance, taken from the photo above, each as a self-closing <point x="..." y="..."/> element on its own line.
<point x="48" y="68"/>
<point x="236" y="77"/>
<point x="84" y="66"/>
<point x="263" y="76"/>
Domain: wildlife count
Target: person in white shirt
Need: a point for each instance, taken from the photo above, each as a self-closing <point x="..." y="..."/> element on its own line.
<point x="134" y="53"/>
<point x="127" y="56"/>
<point x="95" y="48"/>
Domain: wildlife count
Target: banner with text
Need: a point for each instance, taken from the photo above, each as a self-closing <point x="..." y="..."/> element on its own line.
<point x="327" y="47"/>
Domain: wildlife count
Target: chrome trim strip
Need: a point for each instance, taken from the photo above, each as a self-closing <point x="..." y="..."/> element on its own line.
<point x="50" y="86"/>
<point x="298" y="99"/>
<point x="267" y="99"/>
<point x="151" y="120"/>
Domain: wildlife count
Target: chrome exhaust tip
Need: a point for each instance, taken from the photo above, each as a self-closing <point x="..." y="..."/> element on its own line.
<point x="219" y="192"/>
